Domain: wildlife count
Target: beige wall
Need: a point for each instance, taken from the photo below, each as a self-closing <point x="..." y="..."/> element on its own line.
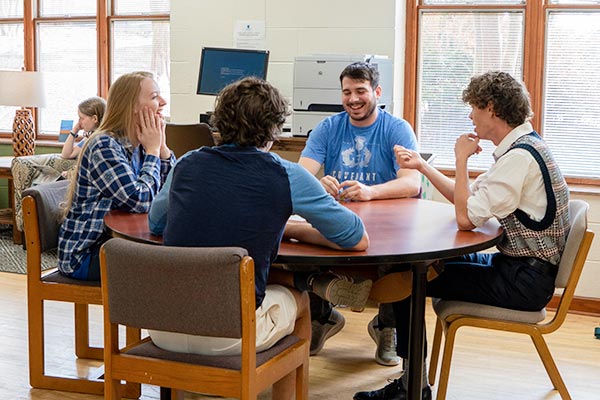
<point x="303" y="27"/>
<point x="292" y="28"/>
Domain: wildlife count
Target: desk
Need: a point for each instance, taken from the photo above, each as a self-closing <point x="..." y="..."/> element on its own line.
<point x="400" y="231"/>
<point x="7" y="216"/>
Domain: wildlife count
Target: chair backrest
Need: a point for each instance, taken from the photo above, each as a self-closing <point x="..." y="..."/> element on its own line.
<point x="48" y="198"/>
<point x="578" y="216"/>
<point x="183" y="138"/>
<point x="191" y="290"/>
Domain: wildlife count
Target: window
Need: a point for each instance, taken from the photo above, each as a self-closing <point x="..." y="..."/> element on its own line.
<point x="82" y="46"/>
<point x="11" y="49"/>
<point x="452" y="48"/>
<point x="142" y="45"/>
<point x="67" y="54"/>
<point x="455" y="39"/>
<point x="570" y="120"/>
<point x="140" y="36"/>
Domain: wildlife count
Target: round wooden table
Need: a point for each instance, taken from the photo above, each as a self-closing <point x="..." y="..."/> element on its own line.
<point x="400" y="231"/>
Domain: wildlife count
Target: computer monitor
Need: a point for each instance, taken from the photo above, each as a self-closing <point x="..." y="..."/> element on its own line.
<point x="219" y="67"/>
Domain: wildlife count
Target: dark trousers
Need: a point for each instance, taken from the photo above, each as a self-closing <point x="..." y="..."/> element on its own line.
<point x="492" y="279"/>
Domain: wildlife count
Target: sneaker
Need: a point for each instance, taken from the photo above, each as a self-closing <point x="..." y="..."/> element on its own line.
<point x="322" y="332"/>
<point x="385" y="339"/>
<point x="393" y="391"/>
<point x="342" y="290"/>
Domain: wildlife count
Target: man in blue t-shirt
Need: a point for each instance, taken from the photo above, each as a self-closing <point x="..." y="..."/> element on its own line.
<point x="356" y="149"/>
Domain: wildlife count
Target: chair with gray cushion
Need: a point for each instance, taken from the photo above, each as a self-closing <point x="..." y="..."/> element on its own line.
<point x="195" y="291"/>
<point x="182" y="138"/>
<point x="42" y="216"/>
<point x="452" y="315"/>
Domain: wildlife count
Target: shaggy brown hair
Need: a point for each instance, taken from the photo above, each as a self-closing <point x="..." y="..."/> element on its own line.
<point x="508" y="97"/>
<point x="249" y="112"/>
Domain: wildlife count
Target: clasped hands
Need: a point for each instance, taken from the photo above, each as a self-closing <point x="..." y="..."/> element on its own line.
<point x="347" y="190"/>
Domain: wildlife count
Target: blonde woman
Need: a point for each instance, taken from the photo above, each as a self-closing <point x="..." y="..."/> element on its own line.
<point x="122" y="166"/>
<point x="90" y="112"/>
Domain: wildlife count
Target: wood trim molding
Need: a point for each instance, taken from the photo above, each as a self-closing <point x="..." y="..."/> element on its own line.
<point x="580" y="305"/>
<point x="410" y="63"/>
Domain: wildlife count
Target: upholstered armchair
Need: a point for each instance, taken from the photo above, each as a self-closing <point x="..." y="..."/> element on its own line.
<point x="29" y="171"/>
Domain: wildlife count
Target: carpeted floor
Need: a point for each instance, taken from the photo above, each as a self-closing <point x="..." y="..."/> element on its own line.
<point x="12" y="256"/>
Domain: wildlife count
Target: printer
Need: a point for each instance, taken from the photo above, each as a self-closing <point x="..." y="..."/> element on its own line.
<point x="317" y="90"/>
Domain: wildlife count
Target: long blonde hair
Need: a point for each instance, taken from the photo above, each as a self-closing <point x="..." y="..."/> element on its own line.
<point x="118" y="121"/>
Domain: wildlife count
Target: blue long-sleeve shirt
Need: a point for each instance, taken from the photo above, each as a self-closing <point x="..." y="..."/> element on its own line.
<point x="241" y="196"/>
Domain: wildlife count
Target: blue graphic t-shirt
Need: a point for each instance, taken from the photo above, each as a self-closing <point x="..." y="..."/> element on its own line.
<point x="364" y="154"/>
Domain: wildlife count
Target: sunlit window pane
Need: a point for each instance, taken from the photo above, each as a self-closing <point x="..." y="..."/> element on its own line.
<point x="11" y="8"/>
<point x="472" y="2"/>
<point x="453" y="47"/>
<point x="571" y="123"/>
<point x="142" y="45"/>
<point x="11" y="58"/>
<point x="137" y="7"/>
<point x="67" y="56"/>
<point x="574" y="2"/>
<point x="60" y="8"/>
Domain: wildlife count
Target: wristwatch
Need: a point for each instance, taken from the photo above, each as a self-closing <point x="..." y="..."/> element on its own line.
<point x="74" y="134"/>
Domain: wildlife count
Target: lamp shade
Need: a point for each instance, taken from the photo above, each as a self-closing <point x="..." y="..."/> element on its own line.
<point x="22" y="89"/>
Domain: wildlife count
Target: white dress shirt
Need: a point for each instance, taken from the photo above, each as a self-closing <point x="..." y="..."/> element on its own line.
<point x="513" y="182"/>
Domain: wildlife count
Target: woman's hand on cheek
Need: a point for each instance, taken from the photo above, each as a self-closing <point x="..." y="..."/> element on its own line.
<point x="149" y="132"/>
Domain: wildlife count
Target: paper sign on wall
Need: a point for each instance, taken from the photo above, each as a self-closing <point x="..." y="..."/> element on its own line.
<point x="250" y="35"/>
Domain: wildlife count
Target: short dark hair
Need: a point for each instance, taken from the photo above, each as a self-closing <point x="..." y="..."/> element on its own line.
<point x="361" y="71"/>
<point x="249" y="112"/>
<point x="509" y="97"/>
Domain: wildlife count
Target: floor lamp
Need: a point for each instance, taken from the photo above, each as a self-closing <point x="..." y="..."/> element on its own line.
<point x="22" y="89"/>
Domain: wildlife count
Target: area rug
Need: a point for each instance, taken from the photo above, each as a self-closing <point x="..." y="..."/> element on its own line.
<point x="13" y="258"/>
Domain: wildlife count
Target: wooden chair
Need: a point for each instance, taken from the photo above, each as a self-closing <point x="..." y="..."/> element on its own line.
<point x="197" y="291"/>
<point x="41" y="223"/>
<point x="183" y="138"/>
<point x="455" y="314"/>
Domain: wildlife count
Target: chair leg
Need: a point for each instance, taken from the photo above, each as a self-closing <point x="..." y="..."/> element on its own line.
<point x="302" y="382"/>
<point x="36" y="341"/>
<point x="550" y="365"/>
<point x="37" y="370"/>
<point x="132" y="390"/>
<point x="112" y="389"/>
<point x="82" y="335"/>
<point x="446" y="360"/>
<point x="176" y="394"/>
<point x="435" y="351"/>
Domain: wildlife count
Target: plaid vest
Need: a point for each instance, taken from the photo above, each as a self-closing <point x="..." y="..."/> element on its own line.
<point x="545" y="239"/>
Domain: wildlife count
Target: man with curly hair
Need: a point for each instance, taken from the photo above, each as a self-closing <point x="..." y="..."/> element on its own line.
<point x="524" y="189"/>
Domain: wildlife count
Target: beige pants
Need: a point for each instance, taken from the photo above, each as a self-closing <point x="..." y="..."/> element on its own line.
<point x="275" y="319"/>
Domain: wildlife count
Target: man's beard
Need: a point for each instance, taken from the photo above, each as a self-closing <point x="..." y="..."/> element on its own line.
<point x="366" y="115"/>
